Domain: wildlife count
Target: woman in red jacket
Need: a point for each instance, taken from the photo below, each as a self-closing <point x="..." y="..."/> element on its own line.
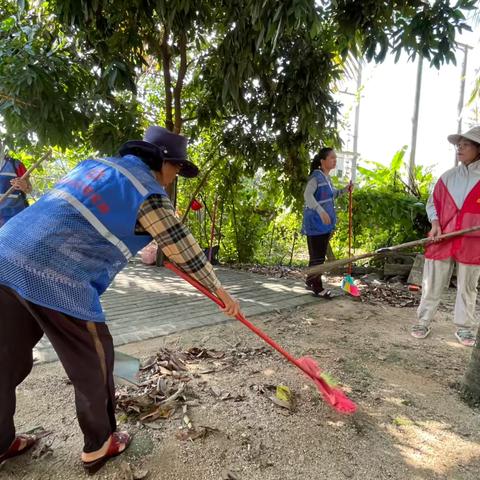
<point x="454" y="205"/>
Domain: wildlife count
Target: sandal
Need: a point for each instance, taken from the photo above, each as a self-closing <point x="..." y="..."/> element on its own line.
<point x="14" y="449"/>
<point x="466" y="337"/>
<point x="326" y="294"/>
<point x="118" y="440"/>
<point x="420" y="331"/>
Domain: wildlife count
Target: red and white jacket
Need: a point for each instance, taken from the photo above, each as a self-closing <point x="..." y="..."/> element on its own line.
<point x="455" y="203"/>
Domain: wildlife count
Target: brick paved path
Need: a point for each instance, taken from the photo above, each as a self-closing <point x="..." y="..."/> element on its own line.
<point x="147" y="302"/>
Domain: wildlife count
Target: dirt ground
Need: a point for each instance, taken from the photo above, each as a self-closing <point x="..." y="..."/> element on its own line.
<point x="410" y="422"/>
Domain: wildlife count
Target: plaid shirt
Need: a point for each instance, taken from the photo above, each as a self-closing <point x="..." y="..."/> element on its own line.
<point x="157" y="217"/>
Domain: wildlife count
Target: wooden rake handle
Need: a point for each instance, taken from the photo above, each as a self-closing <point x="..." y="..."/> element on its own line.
<point x="326" y="267"/>
<point x="26" y="174"/>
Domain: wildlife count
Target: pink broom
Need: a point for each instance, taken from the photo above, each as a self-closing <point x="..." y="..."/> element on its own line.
<point x="348" y="285"/>
<point x="333" y="396"/>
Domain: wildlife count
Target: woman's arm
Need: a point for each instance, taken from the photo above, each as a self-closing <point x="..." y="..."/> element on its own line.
<point x="157" y="217"/>
<point x="436" y="229"/>
<point x="342" y="191"/>
<point x="308" y="196"/>
<point x="431" y="210"/>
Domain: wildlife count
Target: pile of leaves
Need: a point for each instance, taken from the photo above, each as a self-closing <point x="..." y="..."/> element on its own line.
<point x="162" y="388"/>
<point x="390" y="294"/>
<point x="165" y="388"/>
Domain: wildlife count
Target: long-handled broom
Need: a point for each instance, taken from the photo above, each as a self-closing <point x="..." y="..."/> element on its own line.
<point x="333" y="396"/>
<point x="327" y="267"/>
<point x="348" y="285"/>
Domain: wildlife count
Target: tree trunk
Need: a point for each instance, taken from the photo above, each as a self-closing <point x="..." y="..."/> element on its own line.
<point x="177" y="92"/>
<point x="471" y="382"/>
<point x="170" y="100"/>
<point x="167" y="79"/>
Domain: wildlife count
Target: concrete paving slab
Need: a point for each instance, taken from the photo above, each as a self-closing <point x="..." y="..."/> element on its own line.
<point x="147" y="302"/>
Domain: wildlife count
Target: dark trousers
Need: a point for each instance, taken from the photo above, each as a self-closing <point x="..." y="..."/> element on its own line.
<point x="317" y="251"/>
<point x="85" y="350"/>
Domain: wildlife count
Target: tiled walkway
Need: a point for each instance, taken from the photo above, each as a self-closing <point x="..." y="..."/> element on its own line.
<point x="147" y="302"/>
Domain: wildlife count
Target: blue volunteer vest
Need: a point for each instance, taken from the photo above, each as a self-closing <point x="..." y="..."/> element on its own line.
<point x="15" y="202"/>
<point x="65" y="250"/>
<point x="312" y="223"/>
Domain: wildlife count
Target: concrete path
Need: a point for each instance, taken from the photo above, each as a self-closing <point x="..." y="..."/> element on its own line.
<point x="146" y="302"/>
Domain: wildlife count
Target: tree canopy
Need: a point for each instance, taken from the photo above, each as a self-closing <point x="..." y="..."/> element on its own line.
<point x="258" y="76"/>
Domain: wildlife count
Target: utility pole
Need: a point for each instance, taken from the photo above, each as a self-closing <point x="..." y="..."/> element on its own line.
<point x="461" y="98"/>
<point x="413" y="146"/>
<point x="357" y="123"/>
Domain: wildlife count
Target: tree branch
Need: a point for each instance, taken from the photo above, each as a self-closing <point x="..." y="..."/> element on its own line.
<point x="189" y="119"/>
<point x="199" y="187"/>
<point x="15" y="100"/>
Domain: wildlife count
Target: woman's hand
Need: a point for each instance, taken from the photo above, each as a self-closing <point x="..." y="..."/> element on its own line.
<point x="350" y="186"/>
<point x="435" y="231"/>
<point x="20" y="184"/>
<point x="325" y="218"/>
<point x="232" y="306"/>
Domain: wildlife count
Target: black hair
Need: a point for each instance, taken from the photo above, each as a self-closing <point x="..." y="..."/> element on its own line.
<point x="150" y="155"/>
<point x="153" y="162"/>
<point x="317" y="159"/>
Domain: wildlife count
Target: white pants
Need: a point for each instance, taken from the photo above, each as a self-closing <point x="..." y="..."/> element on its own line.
<point x="436" y="275"/>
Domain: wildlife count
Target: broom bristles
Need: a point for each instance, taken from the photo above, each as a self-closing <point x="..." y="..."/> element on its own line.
<point x="335" y="397"/>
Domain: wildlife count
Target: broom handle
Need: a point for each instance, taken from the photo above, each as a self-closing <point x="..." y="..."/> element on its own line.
<point x="25" y="175"/>
<point x="318" y="269"/>
<point x="249" y="325"/>
<point x="349" y="270"/>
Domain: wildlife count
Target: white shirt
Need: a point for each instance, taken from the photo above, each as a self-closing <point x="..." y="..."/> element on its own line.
<point x="459" y="181"/>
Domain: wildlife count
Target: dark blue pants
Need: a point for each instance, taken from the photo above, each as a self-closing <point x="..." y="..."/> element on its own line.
<point x="317" y="251"/>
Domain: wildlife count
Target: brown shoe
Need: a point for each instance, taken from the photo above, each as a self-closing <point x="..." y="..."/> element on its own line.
<point x="19" y="446"/>
<point x="118" y="440"/>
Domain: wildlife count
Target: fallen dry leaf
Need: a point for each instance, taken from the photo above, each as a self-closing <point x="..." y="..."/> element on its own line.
<point x="161" y="412"/>
<point x="140" y="474"/>
<point x="195" y="433"/>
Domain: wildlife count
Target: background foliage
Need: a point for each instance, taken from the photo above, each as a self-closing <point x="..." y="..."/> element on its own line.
<point x="250" y="83"/>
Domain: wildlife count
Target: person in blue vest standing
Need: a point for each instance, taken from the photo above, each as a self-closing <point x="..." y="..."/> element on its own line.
<point x="59" y="255"/>
<point x="319" y="217"/>
<point x="10" y="172"/>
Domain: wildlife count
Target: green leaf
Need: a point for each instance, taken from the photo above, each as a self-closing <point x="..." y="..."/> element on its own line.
<point x="397" y="160"/>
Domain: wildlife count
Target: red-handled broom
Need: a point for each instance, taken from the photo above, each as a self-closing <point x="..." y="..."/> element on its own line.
<point x="348" y="283"/>
<point x="333" y="396"/>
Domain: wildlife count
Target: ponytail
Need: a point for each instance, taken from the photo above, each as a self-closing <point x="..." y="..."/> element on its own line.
<point x="317" y="159"/>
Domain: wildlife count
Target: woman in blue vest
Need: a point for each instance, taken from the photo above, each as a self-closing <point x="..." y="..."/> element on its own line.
<point x="10" y="172"/>
<point x="59" y="255"/>
<point x="319" y="217"/>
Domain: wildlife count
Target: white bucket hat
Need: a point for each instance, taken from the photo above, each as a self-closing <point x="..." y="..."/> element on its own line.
<point x="473" y="134"/>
